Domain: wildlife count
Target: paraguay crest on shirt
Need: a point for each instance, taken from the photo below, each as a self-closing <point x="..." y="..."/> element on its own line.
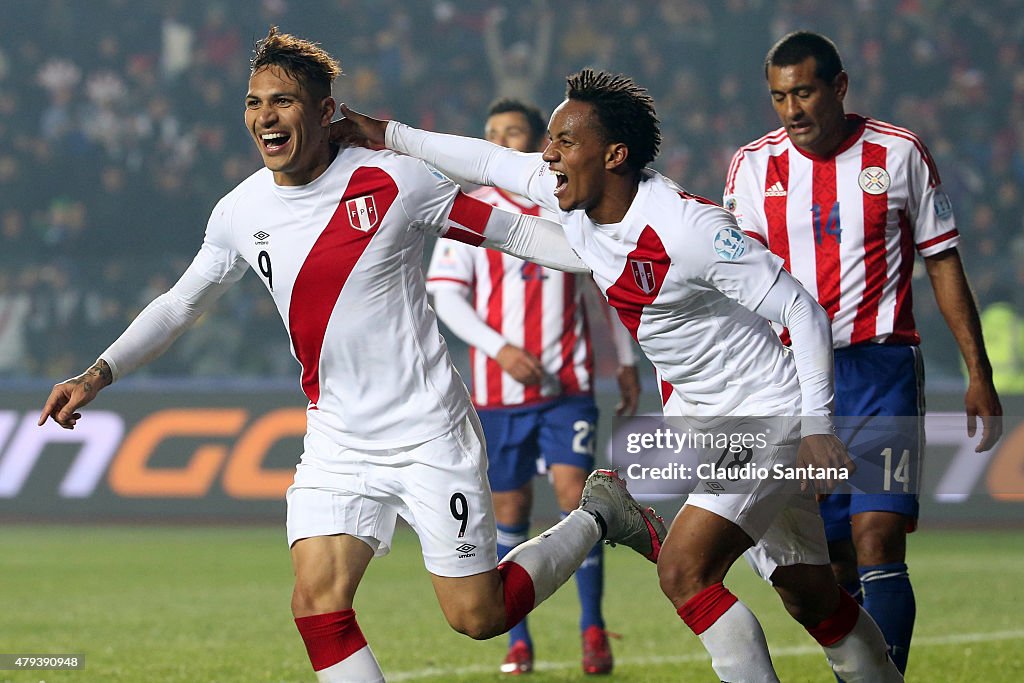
<point x="362" y="213"/>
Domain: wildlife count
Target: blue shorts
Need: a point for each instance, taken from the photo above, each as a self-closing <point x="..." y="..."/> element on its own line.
<point x="879" y="416"/>
<point x="558" y="432"/>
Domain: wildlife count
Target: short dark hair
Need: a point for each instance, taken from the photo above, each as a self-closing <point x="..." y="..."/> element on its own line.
<point x="305" y="61"/>
<point x="533" y="115"/>
<point x="794" y="48"/>
<point x="624" y="109"/>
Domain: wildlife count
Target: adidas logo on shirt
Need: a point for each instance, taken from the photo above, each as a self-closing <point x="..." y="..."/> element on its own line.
<point x="776" y="190"/>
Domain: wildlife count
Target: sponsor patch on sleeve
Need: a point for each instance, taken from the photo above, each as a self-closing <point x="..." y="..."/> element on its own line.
<point x="730" y="244"/>
<point x="943" y="207"/>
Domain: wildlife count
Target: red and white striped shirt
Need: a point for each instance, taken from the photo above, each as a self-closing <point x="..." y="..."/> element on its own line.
<point x="847" y="226"/>
<point x="535" y="308"/>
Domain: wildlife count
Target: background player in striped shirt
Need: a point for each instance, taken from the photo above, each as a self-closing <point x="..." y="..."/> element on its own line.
<point x="532" y="365"/>
<point x="846" y="201"/>
<point x="337" y="237"/>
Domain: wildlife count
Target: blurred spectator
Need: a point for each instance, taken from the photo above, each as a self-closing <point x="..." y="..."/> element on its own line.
<point x="15" y="309"/>
<point x="519" y="69"/>
<point x="122" y="119"/>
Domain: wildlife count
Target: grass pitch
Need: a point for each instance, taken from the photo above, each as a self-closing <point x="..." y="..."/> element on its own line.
<point x="196" y="605"/>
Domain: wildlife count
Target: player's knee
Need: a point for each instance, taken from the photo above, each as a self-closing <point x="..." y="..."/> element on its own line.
<point x="808" y="592"/>
<point x="880" y="545"/>
<point x="680" y="582"/>
<point x="476" y="624"/>
<point x="809" y="608"/>
<point x="319" y="595"/>
<point x="845" y="572"/>
<point x="569" y="490"/>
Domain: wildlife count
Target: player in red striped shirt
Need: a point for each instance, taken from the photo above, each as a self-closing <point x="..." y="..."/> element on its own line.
<point x="532" y="364"/>
<point x="846" y="201"/>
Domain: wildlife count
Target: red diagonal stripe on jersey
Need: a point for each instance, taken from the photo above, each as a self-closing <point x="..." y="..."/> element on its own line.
<point x="666" y="392"/>
<point x="826" y="246"/>
<point x="625" y="295"/>
<point x="697" y="198"/>
<point x="495" y="315"/>
<point x="865" y="321"/>
<point x="326" y="270"/>
<point x="470" y="213"/>
<point x="466" y="236"/>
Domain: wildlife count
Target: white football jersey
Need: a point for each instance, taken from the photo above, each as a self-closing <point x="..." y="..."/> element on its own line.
<point x="684" y="280"/>
<point x="538" y="309"/>
<point x="847" y="226"/>
<point x="344" y="266"/>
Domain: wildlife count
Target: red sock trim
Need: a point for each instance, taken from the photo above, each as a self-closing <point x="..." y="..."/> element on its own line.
<point x="330" y="638"/>
<point x="838" y="626"/>
<point x="519" y="593"/>
<point x="705" y="608"/>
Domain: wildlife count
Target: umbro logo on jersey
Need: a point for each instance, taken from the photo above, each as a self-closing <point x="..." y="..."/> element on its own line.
<point x="362" y="213"/>
<point x="776" y="190"/>
<point x="466" y="550"/>
<point x="713" y="487"/>
<point x="643" y="275"/>
<point x="261" y="237"/>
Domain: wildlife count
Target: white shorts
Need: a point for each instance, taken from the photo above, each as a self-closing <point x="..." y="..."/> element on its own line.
<point x="782" y="520"/>
<point x="439" y="487"/>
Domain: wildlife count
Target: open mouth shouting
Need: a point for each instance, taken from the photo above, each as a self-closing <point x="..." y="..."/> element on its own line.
<point x="561" y="182"/>
<point x="274" y="141"/>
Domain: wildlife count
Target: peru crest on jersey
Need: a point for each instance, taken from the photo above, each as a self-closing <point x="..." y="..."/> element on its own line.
<point x="362" y="213"/>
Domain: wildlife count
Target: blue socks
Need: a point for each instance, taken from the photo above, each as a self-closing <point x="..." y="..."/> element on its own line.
<point x="589" y="581"/>
<point x="855" y="591"/>
<point x="590" y="587"/>
<point x="889" y="599"/>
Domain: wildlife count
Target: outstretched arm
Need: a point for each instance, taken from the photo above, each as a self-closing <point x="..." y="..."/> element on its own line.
<point x="149" y="335"/>
<point x="953" y="294"/>
<point x="473" y="159"/>
<point x="531" y="238"/>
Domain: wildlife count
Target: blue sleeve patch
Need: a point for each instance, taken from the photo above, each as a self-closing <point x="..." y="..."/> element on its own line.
<point x="730" y="244"/>
<point x="943" y="207"/>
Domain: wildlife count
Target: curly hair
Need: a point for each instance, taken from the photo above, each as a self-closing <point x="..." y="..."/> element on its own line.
<point x="624" y="109"/>
<point x="305" y="61"/>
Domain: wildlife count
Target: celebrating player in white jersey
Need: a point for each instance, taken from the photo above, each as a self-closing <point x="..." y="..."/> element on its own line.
<point x="337" y="236"/>
<point x="845" y="201"/>
<point x="532" y="366"/>
<point x="698" y="296"/>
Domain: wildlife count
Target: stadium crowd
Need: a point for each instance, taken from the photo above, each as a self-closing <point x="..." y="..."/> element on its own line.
<point x="121" y="122"/>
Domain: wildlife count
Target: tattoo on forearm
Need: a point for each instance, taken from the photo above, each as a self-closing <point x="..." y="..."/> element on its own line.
<point x="99" y="370"/>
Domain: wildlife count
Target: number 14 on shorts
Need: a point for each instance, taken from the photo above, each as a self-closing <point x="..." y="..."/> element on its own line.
<point x="899" y="475"/>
